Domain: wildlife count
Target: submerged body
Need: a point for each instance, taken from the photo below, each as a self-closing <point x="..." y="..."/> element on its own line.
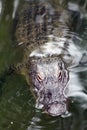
<point x="46" y="35"/>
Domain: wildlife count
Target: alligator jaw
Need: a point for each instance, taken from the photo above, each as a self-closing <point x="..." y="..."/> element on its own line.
<point x="56" y="109"/>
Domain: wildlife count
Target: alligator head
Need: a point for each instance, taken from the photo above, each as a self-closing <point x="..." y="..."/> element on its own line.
<point x="49" y="77"/>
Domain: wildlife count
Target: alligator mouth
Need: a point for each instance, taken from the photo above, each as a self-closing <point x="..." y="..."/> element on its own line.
<point x="55" y="108"/>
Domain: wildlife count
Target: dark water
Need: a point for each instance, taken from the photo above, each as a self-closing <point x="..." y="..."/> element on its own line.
<point x="17" y="105"/>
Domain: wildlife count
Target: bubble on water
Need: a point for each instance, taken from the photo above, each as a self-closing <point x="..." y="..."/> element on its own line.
<point x="11" y="122"/>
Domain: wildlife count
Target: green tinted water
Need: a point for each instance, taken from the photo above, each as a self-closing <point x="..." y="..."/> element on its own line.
<point x="17" y="105"/>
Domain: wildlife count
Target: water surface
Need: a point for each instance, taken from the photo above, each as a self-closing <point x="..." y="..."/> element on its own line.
<point x="17" y="105"/>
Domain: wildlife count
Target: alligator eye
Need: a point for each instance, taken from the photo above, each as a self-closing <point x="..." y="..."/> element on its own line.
<point x="39" y="78"/>
<point x="60" y="75"/>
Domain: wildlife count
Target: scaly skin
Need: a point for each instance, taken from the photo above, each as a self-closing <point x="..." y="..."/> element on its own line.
<point x="41" y="32"/>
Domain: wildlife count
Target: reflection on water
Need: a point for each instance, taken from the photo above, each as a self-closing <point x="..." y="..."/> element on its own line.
<point x="0" y="6"/>
<point x="16" y="2"/>
<point x="17" y="106"/>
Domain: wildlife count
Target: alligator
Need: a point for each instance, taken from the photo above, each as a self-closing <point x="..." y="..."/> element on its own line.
<point x="45" y="34"/>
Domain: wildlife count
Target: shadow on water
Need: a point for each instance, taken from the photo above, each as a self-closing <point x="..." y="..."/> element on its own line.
<point x="17" y="106"/>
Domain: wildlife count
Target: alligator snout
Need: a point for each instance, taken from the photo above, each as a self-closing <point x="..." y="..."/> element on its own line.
<point x="56" y="108"/>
